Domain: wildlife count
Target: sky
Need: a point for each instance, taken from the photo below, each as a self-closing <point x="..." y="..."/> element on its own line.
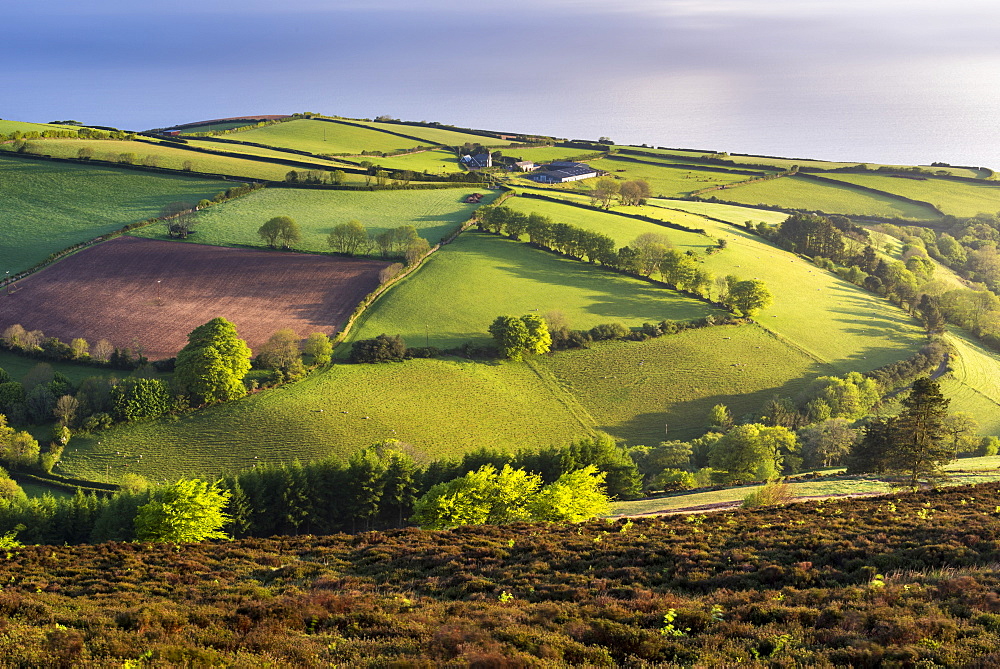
<point x="873" y="81"/>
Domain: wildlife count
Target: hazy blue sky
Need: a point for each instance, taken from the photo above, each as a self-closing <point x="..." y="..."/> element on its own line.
<point x="858" y="80"/>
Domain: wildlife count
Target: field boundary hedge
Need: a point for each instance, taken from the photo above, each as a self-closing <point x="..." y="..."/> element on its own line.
<point x="690" y="166"/>
<point x="245" y="156"/>
<point x="590" y="207"/>
<point x="130" y="166"/>
<point x="388" y="132"/>
<point x="67" y="483"/>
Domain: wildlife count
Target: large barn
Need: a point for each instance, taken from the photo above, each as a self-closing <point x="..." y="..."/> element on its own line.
<point x="563" y="171"/>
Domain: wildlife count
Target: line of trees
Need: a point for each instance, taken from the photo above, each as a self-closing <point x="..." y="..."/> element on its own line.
<point x="649" y="254"/>
<point x="378" y="487"/>
<point x="353" y="238"/>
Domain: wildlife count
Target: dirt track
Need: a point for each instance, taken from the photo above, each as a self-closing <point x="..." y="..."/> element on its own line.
<point x="155" y="292"/>
<point x="729" y="506"/>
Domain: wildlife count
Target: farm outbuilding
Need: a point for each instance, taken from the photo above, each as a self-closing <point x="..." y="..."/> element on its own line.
<point x="525" y="165"/>
<point x="562" y="171"/>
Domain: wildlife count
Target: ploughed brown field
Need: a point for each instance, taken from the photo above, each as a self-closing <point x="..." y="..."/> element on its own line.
<point x="156" y="292"/>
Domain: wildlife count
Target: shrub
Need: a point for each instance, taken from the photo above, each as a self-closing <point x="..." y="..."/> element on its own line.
<point x="770" y="494"/>
<point x="608" y="331"/>
<point x="383" y="348"/>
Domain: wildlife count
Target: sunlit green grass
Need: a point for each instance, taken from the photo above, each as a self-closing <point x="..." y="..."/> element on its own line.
<point x="437" y="135"/>
<point x="463" y="287"/>
<point x="434" y="213"/>
<point x="955" y="198"/>
<point x="974" y="384"/>
<point x="438" y="408"/>
<point x="646" y="392"/>
<point x="173" y="158"/>
<point x="795" y="192"/>
<point x="324" y="137"/>
<point x="434" y="161"/>
<point x="48" y="207"/>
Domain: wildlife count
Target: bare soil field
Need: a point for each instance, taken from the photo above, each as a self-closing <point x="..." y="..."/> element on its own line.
<point x="154" y="292"/>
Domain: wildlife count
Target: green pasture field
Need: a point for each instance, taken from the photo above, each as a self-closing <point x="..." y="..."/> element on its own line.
<point x="974" y="383"/>
<point x="18" y="365"/>
<point x="216" y="127"/>
<point x="436" y="135"/>
<point x="324" y="138"/>
<point x="252" y="151"/>
<point x="647" y="392"/>
<point x="787" y="163"/>
<point x="955" y="198"/>
<point x="10" y="127"/>
<point x="463" y="287"/>
<point x="434" y="161"/>
<point x="800" y="193"/>
<point x="167" y="156"/>
<point x="829" y="319"/>
<point x="545" y="154"/>
<point x="439" y="408"/>
<point x="51" y="206"/>
<point x="434" y="213"/>
<point x="620" y="228"/>
<point x="664" y="180"/>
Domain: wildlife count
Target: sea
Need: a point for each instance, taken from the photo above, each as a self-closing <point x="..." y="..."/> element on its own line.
<point x="873" y="81"/>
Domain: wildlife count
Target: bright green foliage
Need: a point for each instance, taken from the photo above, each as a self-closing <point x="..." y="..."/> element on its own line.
<point x="517" y="336"/>
<point x="574" y="497"/>
<point x="748" y="297"/>
<point x="349" y="238"/>
<point x="511" y="335"/>
<point x="282" y="228"/>
<point x="136" y="398"/>
<point x="539" y="340"/>
<point x="212" y="366"/>
<point x="17" y="449"/>
<point x="318" y="346"/>
<point x="487" y="496"/>
<point x="849" y="397"/>
<point x="752" y="452"/>
<point x="720" y="417"/>
<point x="189" y="510"/>
<point x="281" y="353"/>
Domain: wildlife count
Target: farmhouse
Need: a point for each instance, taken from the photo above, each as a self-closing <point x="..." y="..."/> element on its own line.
<point x="477" y="162"/>
<point x="525" y="166"/>
<point x="563" y="171"/>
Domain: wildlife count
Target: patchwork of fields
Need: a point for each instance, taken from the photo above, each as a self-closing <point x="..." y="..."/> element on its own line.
<point x="170" y="157"/>
<point x="463" y="287"/>
<point x="829" y="319"/>
<point x="801" y="193"/>
<point x="155" y="292"/>
<point x="955" y="198"/>
<point x="48" y="207"/>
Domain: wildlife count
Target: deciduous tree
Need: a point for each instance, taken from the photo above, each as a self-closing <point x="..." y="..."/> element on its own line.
<point x="189" y="510"/>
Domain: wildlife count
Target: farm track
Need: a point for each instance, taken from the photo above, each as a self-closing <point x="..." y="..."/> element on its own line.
<point x="731" y="506"/>
<point x="563" y="396"/>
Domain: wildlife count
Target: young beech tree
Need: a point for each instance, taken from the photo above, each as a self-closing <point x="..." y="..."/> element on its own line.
<point x="189" y="510"/>
<point x="212" y="366"/>
<point x="318" y="346"/>
<point x="488" y="496"/>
